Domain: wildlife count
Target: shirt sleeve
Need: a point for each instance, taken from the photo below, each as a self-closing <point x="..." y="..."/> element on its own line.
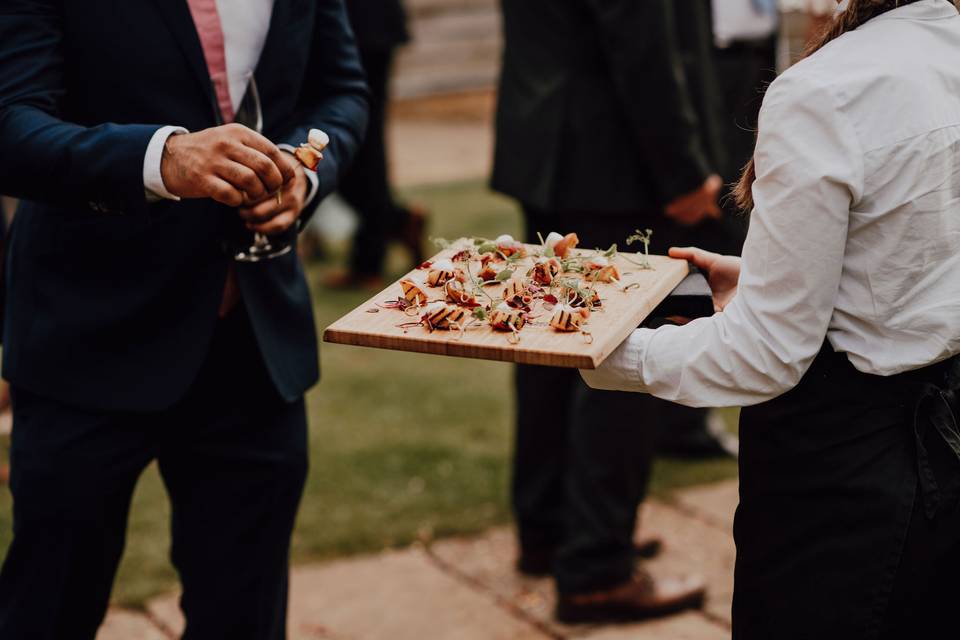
<point x="152" y="178"/>
<point x="809" y="173"/>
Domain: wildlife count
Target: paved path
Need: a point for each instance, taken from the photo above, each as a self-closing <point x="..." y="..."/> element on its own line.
<point x="466" y="588"/>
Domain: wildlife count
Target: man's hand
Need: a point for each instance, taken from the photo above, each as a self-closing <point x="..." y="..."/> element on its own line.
<point x="691" y="208"/>
<point x="266" y="215"/>
<point x="723" y="272"/>
<point x="231" y="164"/>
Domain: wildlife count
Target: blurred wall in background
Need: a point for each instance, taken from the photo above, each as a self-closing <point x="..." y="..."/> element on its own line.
<point x="455" y="48"/>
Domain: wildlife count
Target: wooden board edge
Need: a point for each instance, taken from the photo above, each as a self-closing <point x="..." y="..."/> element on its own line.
<point x="333" y="335"/>
<point x="615" y="340"/>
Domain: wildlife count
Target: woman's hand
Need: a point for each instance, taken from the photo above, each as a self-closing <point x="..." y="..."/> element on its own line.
<point x="723" y="272"/>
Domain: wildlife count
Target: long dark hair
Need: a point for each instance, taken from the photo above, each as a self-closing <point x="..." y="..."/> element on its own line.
<point x="857" y="13"/>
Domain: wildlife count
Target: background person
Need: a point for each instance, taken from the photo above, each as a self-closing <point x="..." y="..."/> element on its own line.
<point x="131" y="334"/>
<point x="837" y="331"/>
<point x="596" y="132"/>
<point x="380" y="27"/>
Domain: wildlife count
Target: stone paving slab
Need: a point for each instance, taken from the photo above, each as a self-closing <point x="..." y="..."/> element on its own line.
<point x="165" y="612"/>
<point x="694" y="546"/>
<point x="691" y="546"/>
<point x="687" y="626"/>
<point x="467" y="588"/>
<point x="121" y="624"/>
<point x="715" y="503"/>
<point x="399" y="595"/>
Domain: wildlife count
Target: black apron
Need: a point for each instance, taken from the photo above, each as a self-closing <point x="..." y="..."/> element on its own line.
<point x="847" y="525"/>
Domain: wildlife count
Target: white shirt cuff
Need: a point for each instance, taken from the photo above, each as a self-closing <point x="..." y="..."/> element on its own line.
<point x="311" y="177"/>
<point x="622" y="370"/>
<point x="152" y="178"/>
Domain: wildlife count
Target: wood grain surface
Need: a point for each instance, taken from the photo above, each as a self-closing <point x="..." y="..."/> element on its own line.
<point x="369" y="325"/>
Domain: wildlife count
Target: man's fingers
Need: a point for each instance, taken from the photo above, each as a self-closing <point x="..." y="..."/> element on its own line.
<point x="224" y="192"/>
<point x="268" y="172"/>
<point x="243" y="179"/>
<point x="256" y="141"/>
<point x="262" y="212"/>
<point x="279" y="224"/>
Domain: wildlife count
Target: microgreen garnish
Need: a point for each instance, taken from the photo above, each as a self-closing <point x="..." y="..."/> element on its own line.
<point x="643" y="237"/>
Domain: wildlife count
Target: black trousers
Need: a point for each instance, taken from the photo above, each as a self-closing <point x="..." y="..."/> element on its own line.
<point x="834" y="540"/>
<point x="233" y="457"/>
<point x="366" y="185"/>
<point x="583" y="456"/>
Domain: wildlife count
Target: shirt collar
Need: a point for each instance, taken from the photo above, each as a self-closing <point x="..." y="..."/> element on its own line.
<point x="923" y="10"/>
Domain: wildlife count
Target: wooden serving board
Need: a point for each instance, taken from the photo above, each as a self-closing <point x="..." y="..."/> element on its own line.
<point x="369" y="325"/>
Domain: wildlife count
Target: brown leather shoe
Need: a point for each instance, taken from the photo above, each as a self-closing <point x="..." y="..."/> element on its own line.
<point x="345" y="280"/>
<point x="637" y="599"/>
<point x="412" y="234"/>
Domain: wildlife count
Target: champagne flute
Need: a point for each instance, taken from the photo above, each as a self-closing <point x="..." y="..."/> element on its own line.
<point x="257" y="246"/>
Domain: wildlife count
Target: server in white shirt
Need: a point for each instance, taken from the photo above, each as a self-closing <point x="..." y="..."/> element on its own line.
<point x="838" y="332"/>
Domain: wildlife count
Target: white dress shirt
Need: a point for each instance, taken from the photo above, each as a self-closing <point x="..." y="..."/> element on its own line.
<point x="245" y="24"/>
<point x="856" y="232"/>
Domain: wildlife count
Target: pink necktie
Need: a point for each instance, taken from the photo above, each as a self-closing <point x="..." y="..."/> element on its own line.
<point x="207" y="21"/>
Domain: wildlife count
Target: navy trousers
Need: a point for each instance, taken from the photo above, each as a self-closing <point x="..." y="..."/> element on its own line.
<point x="233" y="457"/>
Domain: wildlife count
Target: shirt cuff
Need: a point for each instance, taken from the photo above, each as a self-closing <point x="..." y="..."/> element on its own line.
<point x="152" y="178"/>
<point x="311" y="177"/>
<point x="623" y="369"/>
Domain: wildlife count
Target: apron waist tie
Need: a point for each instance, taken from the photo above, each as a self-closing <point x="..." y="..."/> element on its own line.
<point x="938" y="408"/>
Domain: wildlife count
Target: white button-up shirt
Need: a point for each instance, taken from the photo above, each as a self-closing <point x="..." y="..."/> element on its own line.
<point x="856" y="232"/>
<point x="245" y="24"/>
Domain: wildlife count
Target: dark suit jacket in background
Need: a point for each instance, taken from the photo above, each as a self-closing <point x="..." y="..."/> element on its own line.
<point x="112" y="301"/>
<point x="380" y="25"/>
<point x="594" y="111"/>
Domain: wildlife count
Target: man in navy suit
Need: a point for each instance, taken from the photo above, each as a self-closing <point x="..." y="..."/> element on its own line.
<point x="131" y="334"/>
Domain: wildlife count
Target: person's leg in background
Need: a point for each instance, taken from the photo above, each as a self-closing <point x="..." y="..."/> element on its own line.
<point x="234" y="461"/>
<point x="610" y="446"/>
<point x="365" y="186"/>
<point x="73" y="472"/>
<point x="581" y="470"/>
<point x="743" y="70"/>
<point x="540" y="463"/>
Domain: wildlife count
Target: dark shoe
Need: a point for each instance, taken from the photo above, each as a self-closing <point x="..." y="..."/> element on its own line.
<point x="310" y="247"/>
<point x="412" y="234"/>
<point x="538" y="563"/>
<point x="346" y="280"/>
<point x="639" y="598"/>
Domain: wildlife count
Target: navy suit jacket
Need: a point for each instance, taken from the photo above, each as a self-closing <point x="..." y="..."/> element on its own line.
<point x="112" y="300"/>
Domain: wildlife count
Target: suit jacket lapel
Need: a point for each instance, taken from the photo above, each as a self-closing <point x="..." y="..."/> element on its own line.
<point x="176" y="14"/>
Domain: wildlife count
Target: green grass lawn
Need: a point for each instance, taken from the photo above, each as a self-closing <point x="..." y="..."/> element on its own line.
<point x="403" y="446"/>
